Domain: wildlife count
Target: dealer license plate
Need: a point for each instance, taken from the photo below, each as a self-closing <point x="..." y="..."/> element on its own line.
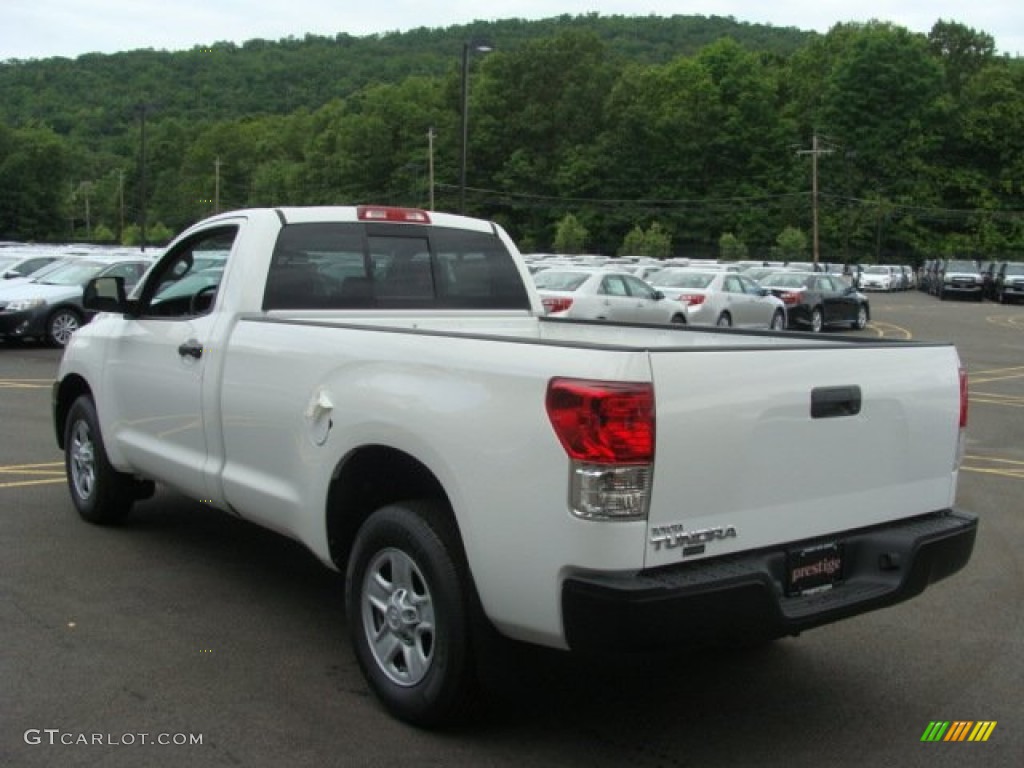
<point x="814" y="569"/>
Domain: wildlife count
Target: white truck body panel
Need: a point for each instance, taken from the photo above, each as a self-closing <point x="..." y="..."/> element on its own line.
<point x="262" y="421"/>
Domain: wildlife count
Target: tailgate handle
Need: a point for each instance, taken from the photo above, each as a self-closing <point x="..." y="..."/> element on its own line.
<point x="831" y="402"/>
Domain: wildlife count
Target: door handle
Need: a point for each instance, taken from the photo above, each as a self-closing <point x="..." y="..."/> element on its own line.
<point x="833" y="402"/>
<point x="191" y="348"/>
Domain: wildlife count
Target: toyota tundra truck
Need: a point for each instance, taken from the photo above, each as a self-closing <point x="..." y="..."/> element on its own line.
<point x="381" y="384"/>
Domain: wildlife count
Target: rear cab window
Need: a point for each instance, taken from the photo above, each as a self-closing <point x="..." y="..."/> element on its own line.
<point x="355" y="265"/>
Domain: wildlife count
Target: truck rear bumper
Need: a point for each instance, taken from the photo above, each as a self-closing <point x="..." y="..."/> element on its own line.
<point x="744" y="597"/>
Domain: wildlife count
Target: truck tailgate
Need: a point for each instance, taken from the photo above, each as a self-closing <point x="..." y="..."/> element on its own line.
<point x="756" y="447"/>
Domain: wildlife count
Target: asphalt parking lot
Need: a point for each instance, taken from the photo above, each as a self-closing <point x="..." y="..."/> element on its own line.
<point x="186" y="637"/>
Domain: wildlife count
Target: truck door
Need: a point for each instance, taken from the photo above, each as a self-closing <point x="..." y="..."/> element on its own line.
<point x="155" y="372"/>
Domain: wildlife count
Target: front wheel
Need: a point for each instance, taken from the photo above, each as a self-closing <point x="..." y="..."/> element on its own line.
<point x="817" y="320"/>
<point x="724" y="320"/>
<point x="410" y="607"/>
<point x="678" y="320"/>
<point x="61" y="325"/>
<point x="778" y="321"/>
<point x="862" y="318"/>
<point x="101" y="494"/>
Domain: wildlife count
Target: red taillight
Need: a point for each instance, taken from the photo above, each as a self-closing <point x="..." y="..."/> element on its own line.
<point x="790" y="298"/>
<point x="603" y="422"/>
<point x="691" y="299"/>
<point x="389" y="213"/>
<point x="554" y="304"/>
<point x="963" y="398"/>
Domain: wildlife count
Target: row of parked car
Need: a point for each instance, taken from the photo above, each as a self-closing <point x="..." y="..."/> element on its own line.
<point x="41" y="294"/>
<point x="700" y="293"/>
<point x="1001" y="281"/>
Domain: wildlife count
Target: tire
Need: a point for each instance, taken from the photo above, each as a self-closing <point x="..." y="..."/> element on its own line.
<point x="410" y="606"/>
<point x="778" y="321"/>
<point x="817" y="320"/>
<point x="60" y="325"/>
<point x="862" y="318"/>
<point x="678" y="320"/>
<point x="724" y="320"/>
<point x="101" y="494"/>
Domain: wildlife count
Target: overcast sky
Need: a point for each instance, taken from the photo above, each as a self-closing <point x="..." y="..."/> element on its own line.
<point x="35" y="29"/>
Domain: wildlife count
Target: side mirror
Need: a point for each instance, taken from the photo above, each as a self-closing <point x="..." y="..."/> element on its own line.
<point x="658" y="295"/>
<point x="10" y="274"/>
<point x="105" y="294"/>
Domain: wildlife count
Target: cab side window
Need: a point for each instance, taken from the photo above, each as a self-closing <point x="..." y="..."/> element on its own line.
<point x="185" y="281"/>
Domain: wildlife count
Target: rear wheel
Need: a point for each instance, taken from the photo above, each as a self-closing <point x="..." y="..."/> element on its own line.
<point x="410" y="613"/>
<point x="101" y="494"/>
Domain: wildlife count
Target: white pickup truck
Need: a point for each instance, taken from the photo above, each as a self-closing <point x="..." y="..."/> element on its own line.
<point x="381" y="384"/>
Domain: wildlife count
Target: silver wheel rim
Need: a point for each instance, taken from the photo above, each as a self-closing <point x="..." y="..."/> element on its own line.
<point x="777" y="322"/>
<point x="724" y="321"/>
<point x="83" y="460"/>
<point x="62" y="326"/>
<point x="862" y="317"/>
<point x="398" y="617"/>
<point x="816" y="321"/>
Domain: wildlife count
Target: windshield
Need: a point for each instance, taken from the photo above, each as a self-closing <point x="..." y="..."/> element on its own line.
<point x="670" y="279"/>
<point x="1014" y="269"/>
<point x="551" y="280"/>
<point x="958" y="265"/>
<point x="877" y="271"/>
<point x="77" y="273"/>
<point x="785" y="280"/>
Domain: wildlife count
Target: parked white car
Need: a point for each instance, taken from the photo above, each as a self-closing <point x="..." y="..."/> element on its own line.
<point x="880" y="278"/>
<point x="721" y="298"/>
<point x="601" y="294"/>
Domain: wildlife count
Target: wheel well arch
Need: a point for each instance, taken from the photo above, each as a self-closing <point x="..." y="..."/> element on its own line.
<point x="69" y="390"/>
<point x="367" y="479"/>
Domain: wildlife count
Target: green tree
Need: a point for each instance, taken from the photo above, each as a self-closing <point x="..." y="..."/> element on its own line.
<point x="731" y="248"/>
<point x="570" y="236"/>
<point x="33" y="167"/>
<point x="791" y="245"/>
<point x="654" y="242"/>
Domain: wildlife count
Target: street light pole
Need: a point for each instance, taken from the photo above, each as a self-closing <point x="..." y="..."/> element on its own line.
<point x="479" y="46"/>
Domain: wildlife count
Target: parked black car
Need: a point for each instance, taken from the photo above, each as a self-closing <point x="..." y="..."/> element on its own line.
<point x="989" y="270"/>
<point x="1009" y="282"/>
<point x="814" y="300"/>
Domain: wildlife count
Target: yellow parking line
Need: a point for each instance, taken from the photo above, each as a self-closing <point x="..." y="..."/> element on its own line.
<point x="986" y="399"/>
<point x="889" y="330"/>
<point x="1013" y="468"/>
<point x="23" y="483"/>
<point x="26" y="383"/>
<point x="48" y="473"/>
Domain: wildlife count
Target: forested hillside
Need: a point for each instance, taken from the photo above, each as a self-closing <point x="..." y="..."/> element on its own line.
<point x="701" y="126"/>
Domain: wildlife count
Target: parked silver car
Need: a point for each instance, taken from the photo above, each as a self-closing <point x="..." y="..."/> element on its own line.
<point x="721" y="298"/>
<point x="601" y="294"/>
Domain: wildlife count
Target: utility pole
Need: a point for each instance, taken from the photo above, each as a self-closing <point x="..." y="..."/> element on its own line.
<point x="216" y="185"/>
<point x="120" y="195"/>
<point x="814" y="151"/>
<point x="430" y="163"/>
